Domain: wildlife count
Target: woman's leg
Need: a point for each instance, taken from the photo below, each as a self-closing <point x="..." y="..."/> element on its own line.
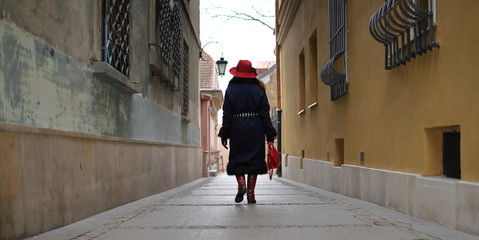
<point x="241" y="188"/>
<point x="251" y="186"/>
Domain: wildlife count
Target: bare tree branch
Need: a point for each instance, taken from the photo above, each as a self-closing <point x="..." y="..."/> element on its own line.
<point x="262" y="15"/>
<point x="232" y="14"/>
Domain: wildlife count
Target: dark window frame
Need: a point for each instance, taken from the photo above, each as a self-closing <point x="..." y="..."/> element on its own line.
<point x="302" y="82"/>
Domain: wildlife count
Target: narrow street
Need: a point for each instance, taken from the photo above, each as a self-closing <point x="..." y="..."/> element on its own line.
<point x="205" y="209"/>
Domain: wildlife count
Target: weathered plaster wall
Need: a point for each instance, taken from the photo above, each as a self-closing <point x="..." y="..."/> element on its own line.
<point x="71" y="144"/>
<point x="50" y="178"/>
<point x="45" y="88"/>
<point x="71" y="27"/>
<point x="49" y="46"/>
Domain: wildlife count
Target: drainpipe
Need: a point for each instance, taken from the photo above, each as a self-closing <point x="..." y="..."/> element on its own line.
<point x="278" y="82"/>
<point x="279" y="111"/>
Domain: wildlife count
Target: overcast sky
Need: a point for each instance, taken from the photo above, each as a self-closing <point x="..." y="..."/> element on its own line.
<point x="237" y="39"/>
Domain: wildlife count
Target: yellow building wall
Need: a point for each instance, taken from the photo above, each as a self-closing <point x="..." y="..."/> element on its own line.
<point x="394" y="116"/>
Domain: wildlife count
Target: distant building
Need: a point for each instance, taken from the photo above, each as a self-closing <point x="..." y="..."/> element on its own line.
<point x="99" y="107"/>
<point x="379" y="103"/>
<point x="263" y="66"/>
<point x="211" y="102"/>
<point x="268" y="76"/>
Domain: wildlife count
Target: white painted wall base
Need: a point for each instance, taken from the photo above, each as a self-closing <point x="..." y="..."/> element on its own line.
<point x="449" y="202"/>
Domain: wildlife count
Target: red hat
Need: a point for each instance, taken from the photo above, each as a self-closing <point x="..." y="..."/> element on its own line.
<point x="244" y="70"/>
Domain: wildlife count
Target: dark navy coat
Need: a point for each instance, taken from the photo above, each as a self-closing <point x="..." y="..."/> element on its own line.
<point x="246" y="123"/>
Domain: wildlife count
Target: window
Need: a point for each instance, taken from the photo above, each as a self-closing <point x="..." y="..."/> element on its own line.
<point x="333" y="73"/>
<point x="451" y="154"/>
<point x="176" y="41"/>
<point x="116" y="35"/>
<point x="169" y="38"/>
<point x="186" y="98"/>
<point x="164" y="24"/>
<point x="442" y="153"/>
<point x="406" y="28"/>
<point x="114" y="66"/>
<point x="339" y="152"/>
<point x="302" y="83"/>
<point x="313" y="70"/>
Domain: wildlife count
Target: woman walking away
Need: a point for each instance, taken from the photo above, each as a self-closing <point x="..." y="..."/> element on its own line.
<point x="246" y="122"/>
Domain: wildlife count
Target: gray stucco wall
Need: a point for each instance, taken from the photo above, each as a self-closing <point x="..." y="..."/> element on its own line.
<point x="43" y="87"/>
<point x="72" y="144"/>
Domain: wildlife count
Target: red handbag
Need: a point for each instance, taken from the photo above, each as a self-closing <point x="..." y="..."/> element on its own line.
<point x="273" y="159"/>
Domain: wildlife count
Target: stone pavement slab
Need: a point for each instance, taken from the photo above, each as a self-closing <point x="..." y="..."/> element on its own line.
<point x="205" y="209"/>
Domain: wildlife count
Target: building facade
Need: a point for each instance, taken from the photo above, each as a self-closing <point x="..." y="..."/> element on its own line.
<point x="211" y="102"/>
<point x="268" y="76"/>
<point x="99" y="107"/>
<point x="379" y="104"/>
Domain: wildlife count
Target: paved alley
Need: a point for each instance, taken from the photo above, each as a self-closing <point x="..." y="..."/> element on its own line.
<point x="205" y="209"/>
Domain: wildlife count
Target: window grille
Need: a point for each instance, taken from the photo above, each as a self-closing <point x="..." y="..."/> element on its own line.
<point x="330" y="75"/>
<point x="405" y="29"/>
<point x="176" y="39"/>
<point x="116" y="35"/>
<point x="164" y="23"/>
<point x="185" y="107"/>
<point x="169" y="38"/>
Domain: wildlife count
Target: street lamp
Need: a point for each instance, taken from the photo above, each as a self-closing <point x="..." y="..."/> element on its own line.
<point x="221" y="66"/>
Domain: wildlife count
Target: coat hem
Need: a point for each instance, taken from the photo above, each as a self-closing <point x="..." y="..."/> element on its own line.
<point x="235" y="169"/>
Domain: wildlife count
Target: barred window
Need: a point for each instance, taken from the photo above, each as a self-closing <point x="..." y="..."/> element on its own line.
<point x="169" y="37"/>
<point x="116" y="34"/>
<point x="164" y="29"/>
<point x="337" y="33"/>
<point x="406" y="28"/>
<point x="333" y="73"/>
<point x="176" y="38"/>
<point x="186" y="97"/>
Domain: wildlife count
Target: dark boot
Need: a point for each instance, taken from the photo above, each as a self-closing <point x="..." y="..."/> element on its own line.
<point x="241" y="188"/>
<point x="251" y="186"/>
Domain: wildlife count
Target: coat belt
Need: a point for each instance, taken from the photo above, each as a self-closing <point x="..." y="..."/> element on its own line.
<point x="246" y="114"/>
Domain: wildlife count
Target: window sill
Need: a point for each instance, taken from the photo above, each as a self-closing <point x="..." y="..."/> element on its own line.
<point x="313" y="105"/>
<point x="109" y="74"/>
